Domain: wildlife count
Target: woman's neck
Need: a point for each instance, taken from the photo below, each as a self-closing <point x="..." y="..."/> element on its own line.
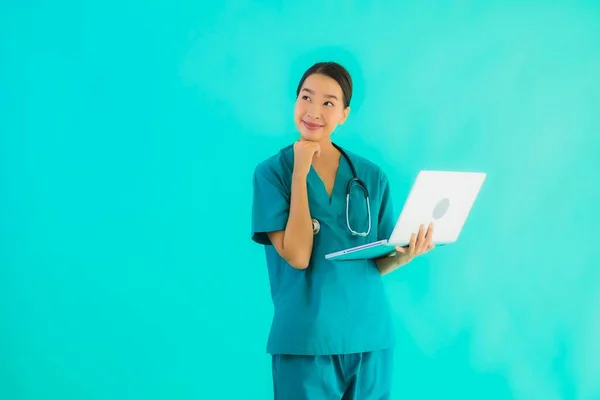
<point x="329" y="157"/>
<point x="328" y="150"/>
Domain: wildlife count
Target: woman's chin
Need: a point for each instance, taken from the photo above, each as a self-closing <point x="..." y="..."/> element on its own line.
<point x="313" y="136"/>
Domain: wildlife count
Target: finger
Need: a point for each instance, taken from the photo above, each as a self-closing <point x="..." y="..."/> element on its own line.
<point x="401" y="249"/>
<point x="412" y="243"/>
<point x="421" y="239"/>
<point x="429" y="233"/>
<point x="429" y="236"/>
<point x="318" y="152"/>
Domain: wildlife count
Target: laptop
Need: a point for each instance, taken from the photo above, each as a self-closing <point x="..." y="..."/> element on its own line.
<point x="442" y="197"/>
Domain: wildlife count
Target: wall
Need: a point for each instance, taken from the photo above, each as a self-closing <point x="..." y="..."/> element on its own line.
<point x="129" y="131"/>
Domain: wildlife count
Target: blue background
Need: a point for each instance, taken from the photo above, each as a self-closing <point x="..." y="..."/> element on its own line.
<point x="129" y="131"/>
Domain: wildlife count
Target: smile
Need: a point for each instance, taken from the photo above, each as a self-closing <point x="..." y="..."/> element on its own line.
<point x="311" y="126"/>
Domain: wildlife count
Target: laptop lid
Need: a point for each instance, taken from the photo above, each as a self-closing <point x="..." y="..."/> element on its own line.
<point x="442" y="197"/>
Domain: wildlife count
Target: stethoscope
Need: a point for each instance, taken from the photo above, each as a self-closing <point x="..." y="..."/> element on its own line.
<point x="354" y="181"/>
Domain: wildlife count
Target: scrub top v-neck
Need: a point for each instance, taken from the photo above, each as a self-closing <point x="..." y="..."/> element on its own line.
<point x="319" y="189"/>
<point x="331" y="307"/>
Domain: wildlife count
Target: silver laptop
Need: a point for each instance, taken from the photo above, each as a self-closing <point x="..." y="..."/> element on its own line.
<point x="442" y="197"/>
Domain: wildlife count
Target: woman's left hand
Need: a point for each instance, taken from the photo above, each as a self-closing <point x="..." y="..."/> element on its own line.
<point x="420" y="243"/>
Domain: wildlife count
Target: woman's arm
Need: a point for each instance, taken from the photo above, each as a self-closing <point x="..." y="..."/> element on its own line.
<point x="419" y="244"/>
<point x="387" y="264"/>
<point x="295" y="243"/>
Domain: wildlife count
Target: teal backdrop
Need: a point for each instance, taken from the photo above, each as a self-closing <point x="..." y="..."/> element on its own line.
<point x="129" y="131"/>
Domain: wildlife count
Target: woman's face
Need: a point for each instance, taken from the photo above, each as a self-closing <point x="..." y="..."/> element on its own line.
<point x="319" y="107"/>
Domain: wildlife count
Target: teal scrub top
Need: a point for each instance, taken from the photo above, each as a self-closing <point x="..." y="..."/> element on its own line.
<point x="331" y="307"/>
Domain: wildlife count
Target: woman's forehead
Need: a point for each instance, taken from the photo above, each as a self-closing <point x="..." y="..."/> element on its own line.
<point x="322" y="85"/>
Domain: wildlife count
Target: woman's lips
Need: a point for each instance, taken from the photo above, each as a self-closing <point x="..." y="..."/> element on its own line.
<point x="311" y="126"/>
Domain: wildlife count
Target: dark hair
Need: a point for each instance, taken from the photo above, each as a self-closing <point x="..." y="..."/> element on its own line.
<point x="334" y="71"/>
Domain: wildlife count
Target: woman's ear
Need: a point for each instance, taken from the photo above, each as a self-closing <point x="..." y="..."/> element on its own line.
<point x="344" y="116"/>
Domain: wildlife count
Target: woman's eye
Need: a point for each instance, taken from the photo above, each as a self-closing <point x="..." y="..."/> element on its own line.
<point x="305" y="98"/>
<point x="329" y="104"/>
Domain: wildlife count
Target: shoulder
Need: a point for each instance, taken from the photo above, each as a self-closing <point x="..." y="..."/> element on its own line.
<point x="367" y="168"/>
<point x="277" y="165"/>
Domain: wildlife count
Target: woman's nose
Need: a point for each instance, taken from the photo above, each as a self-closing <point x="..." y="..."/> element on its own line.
<point x="313" y="112"/>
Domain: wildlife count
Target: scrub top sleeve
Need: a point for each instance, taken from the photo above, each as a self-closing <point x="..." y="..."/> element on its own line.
<point x="387" y="217"/>
<point x="270" y="204"/>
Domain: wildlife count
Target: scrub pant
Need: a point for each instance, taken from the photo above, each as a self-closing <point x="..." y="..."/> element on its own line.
<point x="360" y="376"/>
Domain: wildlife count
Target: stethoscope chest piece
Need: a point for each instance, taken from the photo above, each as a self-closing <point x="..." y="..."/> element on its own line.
<point x="316" y="226"/>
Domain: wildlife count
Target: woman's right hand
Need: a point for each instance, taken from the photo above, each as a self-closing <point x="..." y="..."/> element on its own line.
<point x="304" y="151"/>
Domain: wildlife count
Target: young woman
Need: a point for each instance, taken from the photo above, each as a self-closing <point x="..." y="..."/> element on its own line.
<point x="331" y="334"/>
